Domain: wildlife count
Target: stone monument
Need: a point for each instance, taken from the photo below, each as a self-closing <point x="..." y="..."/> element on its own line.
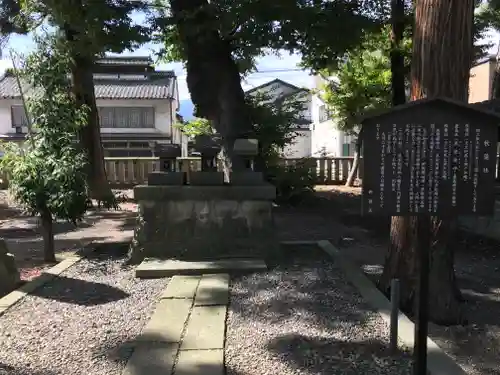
<point x="9" y="275"/>
<point x="208" y="219"/>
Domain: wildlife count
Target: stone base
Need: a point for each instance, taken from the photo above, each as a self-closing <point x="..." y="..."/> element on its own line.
<point x="200" y="223"/>
<point x="154" y="268"/>
<point x="9" y="275"/>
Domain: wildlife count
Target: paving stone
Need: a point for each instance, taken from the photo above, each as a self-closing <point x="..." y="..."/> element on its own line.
<point x="200" y="362"/>
<point x="168" y="321"/>
<point x="181" y="287"/>
<point x="151" y="359"/>
<point x="206" y="328"/>
<point x="155" y="268"/>
<point x="213" y="290"/>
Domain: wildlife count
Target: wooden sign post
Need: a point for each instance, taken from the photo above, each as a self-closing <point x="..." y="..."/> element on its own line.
<point x="429" y="158"/>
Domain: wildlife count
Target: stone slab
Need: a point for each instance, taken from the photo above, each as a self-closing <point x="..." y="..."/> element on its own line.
<point x="206" y="178"/>
<point x="213" y="290"/>
<point x="265" y="192"/>
<point x="181" y="287"/>
<point x="167" y="322"/>
<point x="151" y="359"/>
<point x="206" y="328"/>
<point x="200" y="362"/>
<point x="438" y="362"/>
<point x="165" y="178"/>
<point x="156" y="268"/>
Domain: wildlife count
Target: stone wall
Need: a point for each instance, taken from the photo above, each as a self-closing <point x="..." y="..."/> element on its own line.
<point x="204" y="222"/>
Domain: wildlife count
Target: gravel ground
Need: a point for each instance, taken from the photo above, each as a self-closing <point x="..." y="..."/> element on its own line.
<point x="305" y="319"/>
<point x="81" y="323"/>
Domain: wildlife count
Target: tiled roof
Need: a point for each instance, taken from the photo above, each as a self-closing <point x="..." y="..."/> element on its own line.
<point x="125" y="60"/>
<point x="155" y="85"/>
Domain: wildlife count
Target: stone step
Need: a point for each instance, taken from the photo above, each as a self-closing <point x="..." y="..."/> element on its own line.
<point x="152" y="359"/>
<point x="157" y="268"/>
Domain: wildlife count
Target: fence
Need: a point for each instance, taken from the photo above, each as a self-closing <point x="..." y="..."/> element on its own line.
<point x="127" y="171"/>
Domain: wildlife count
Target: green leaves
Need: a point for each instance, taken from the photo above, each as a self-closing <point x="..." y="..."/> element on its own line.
<point x="49" y="176"/>
<point x="364" y="80"/>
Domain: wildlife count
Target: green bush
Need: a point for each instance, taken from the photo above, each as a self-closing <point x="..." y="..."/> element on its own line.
<point x="293" y="182"/>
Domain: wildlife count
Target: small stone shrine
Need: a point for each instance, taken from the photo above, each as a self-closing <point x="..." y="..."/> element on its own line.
<point x="207" y="219"/>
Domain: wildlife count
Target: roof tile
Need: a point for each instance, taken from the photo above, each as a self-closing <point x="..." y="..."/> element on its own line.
<point x="157" y="85"/>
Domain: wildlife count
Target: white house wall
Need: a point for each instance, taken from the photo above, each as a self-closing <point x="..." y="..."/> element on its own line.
<point x="301" y="147"/>
<point x="6" y="116"/>
<point x="326" y="139"/>
<point x="163" y="115"/>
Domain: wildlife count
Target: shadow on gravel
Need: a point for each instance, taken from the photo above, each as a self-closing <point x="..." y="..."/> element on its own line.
<point x="317" y="355"/>
<point x="79" y="292"/>
<point x="108" y="250"/>
<point x="11" y="370"/>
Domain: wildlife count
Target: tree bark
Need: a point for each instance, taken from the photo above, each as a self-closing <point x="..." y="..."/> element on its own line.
<point x="355" y="163"/>
<point x="213" y="76"/>
<point x="90" y="135"/>
<point x="442" y="55"/>
<point x="49" y="254"/>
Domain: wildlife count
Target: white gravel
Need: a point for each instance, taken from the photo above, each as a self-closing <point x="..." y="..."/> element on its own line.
<point x="305" y="320"/>
<point x="81" y="323"/>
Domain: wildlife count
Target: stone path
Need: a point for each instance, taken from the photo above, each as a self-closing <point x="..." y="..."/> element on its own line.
<point x="185" y="335"/>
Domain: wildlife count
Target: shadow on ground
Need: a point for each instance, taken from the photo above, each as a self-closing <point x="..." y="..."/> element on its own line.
<point x="477" y="266"/>
<point x="79" y="292"/>
<point x="25" y="370"/>
<point x="315" y="355"/>
<point x="28" y="228"/>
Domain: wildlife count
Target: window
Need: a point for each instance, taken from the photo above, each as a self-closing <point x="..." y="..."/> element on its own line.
<point x="346" y="149"/>
<point x="18" y="116"/>
<point x="127" y="117"/>
<point x="323" y="113"/>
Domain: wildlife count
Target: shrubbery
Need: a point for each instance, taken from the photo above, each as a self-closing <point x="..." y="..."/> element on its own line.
<point x="294" y="182"/>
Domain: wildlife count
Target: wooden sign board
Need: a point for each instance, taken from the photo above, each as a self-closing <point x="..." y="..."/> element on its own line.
<point x="434" y="157"/>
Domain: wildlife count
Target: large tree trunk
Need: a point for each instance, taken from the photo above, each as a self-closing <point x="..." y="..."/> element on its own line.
<point x="90" y="135"/>
<point x="355" y="163"/>
<point x="213" y="77"/>
<point x="442" y="54"/>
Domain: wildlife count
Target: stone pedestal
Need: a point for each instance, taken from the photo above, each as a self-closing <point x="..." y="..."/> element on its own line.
<point x="204" y="222"/>
<point x="9" y="275"/>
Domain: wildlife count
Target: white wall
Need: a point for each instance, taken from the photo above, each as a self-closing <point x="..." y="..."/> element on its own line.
<point x="301" y="147"/>
<point x="325" y="138"/>
<point x="163" y="114"/>
<point x="5" y="115"/>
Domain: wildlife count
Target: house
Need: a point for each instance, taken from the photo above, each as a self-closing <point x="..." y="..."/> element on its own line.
<point x="481" y="80"/>
<point x="277" y="90"/>
<point x="137" y="107"/>
<point x="326" y="138"/>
